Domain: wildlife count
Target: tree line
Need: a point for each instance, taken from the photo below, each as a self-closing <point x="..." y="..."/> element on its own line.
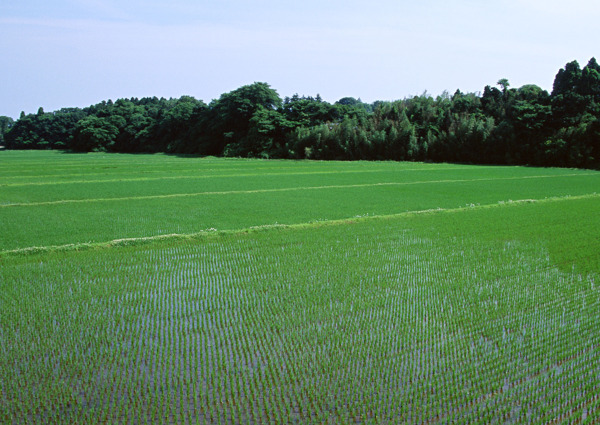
<point x="502" y="125"/>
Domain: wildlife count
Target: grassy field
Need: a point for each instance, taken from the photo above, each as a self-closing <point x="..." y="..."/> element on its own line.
<point x="51" y="198"/>
<point x="368" y="293"/>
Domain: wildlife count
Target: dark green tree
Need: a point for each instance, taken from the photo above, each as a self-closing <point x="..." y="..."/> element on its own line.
<point x="44" y="130"/>
<point x="307" y="111"/>
<point x="503" y="82"/>
<point x="94" y="134"/>
<point x="6" y="124"/>
<point x="575" y="113"/>
<point x="530" y="115"/>
<point x="232" y="113"/>
<point x="568" y="103"/>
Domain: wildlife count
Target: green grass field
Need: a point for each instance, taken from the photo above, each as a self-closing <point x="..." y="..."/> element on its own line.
<point x="330" y="292"/>
<point x="51" y="198"/>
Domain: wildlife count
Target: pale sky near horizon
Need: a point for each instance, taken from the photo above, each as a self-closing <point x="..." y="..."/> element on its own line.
<point x="67" y="53"/>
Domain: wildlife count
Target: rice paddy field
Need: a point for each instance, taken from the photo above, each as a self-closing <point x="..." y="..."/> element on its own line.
<point x="153" y="289"/>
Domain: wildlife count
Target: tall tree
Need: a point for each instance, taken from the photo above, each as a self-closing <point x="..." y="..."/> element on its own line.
<point x="567" y="101"/>
<point x="94" y="133"/>
<point x="503" y="82"/>
<point x="6" y="124"/>
<point x="233" y="111"/>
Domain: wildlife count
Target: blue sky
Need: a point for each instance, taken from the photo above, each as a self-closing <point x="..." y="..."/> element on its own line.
<point x="79" y="52"/>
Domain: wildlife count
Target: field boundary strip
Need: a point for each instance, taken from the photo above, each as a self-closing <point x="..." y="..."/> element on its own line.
<point x="208" y="233"/>
<point x="273" y="190"/>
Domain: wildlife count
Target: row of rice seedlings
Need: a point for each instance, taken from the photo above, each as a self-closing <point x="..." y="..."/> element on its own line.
<point x="371" y="327"/>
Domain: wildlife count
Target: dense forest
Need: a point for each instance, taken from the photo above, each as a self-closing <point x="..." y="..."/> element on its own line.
<point x="502" y="125"/>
